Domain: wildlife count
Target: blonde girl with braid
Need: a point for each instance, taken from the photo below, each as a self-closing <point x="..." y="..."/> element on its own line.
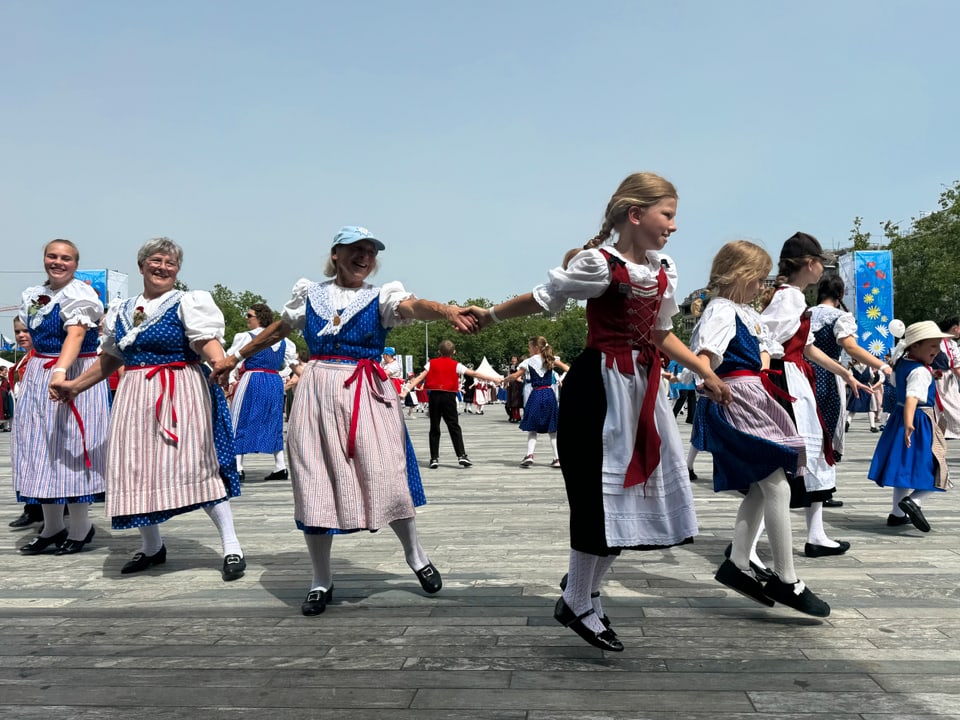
<point x="540" y="407"/>
<point x="622" y="459"/>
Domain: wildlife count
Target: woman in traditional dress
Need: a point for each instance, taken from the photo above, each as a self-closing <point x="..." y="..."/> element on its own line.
<point x="171" y="441"/>
<point x="256" y="404"/>
<point x="946" y="368"/>
<point x="59" y="450"/>
<point x="352" y="464"/>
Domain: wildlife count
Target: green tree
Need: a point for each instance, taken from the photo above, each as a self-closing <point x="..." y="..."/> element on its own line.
<point x="234" y="306"/>
<point x="926" y="262"/>
<point x="859" y="240"/>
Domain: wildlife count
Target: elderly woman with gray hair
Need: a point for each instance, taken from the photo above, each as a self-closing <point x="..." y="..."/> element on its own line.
<point x="171" y="441"/>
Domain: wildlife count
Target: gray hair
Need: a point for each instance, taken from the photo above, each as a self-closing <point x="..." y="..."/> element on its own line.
<point x="162" y="246"/>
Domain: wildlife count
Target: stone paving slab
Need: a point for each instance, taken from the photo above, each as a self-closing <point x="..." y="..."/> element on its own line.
<point x="81" y="641"/>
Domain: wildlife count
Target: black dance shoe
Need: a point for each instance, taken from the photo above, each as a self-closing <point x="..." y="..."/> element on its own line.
<point x="811" y="550"/>
<point x="761" y="573"/>
<point x="804" y="601"/>
<point x="278" y="475"/>
<point x="429" y="578"/>
<point x="40" y="543"/>
<point x="233" y="567"/>
<point x="141" y="562"/>
<point x="897" y="520"/>
<point x="605" y="619"/>
<point x="606" y="640"/>
<point x="915" y="514"/>
<point x="736" y="579"/>
<point x="316" y="602"/>
<point x="70" y="547"/>
<point x="25" y="520"/>
<point x="830" y="502"/>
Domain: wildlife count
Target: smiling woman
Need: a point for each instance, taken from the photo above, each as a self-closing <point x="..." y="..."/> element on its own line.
<point x="171" y="441"/>
<point x="59" y="450"/>
<point x="351" y="461"/>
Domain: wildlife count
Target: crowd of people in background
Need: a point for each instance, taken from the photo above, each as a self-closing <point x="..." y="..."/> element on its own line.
<point x="769" y="386"/>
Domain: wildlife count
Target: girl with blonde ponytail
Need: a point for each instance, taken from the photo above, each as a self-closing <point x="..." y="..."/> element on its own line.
<point x="622" y="459"/>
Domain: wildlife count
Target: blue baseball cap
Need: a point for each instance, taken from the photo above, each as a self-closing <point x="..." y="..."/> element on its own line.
<point x="350" y="234"/>
<point x="390" y="351"/>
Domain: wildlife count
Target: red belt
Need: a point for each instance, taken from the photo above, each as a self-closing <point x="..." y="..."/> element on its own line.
<point x="51" y="361"/>
<point x="772" y="388"/>
<point x="167" y="385"/>
<point x="365" y="368"/>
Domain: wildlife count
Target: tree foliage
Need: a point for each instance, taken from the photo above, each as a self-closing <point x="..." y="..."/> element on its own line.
<point x="926" y="262"/>
<point x="234" y="306"/>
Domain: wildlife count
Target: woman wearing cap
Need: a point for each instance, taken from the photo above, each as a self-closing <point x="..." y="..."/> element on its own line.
<point x="352" y="465"/>
<point x="911" y="454"/>
<point x="257" y="399"/>
<point x="391" y="366"/>
<point x="171" y="441"/>
<point x="59" y="450"/>
<point x="835" y="331"/>
<point x="787" y="320"/>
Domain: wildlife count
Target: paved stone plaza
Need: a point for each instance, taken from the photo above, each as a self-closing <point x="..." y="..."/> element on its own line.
<point x="81" y="641"/>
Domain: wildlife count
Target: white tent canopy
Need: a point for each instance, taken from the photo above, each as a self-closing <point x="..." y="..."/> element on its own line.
<point x="5" y="363"/>
<point x="487" y="369"/>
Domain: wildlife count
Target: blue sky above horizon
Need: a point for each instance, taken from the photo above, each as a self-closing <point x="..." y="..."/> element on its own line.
<point x="480" y="142"/>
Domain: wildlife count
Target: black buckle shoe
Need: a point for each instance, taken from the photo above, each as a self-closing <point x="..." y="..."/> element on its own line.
<point x="70" y="547"/>
<point x="25" y="520"/>
<point x="278" y="475"/>
<point x="429" y="578"/>
<point x="605" y="619"/>
<point x="811" y="550"/>
<point x="737" y="580"/>
<point x="141" y="562"/>
<point x="761" y="573"/>
<point x="915" y="514"/>
<point x="316" y="602"/>
<point x="233" y="567"/>
<point x="40" y="543"/>
<point x="606" y="640"/>
<point x="804" y="601"/>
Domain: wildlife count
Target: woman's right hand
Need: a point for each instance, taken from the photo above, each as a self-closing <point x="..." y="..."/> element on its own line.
<point x="222" y="368"/>
<point x="63" y="390"/>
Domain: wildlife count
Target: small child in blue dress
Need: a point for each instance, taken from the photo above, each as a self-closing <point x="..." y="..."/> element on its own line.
<point x="911" y="454"/>
<point x="753" y="440"/>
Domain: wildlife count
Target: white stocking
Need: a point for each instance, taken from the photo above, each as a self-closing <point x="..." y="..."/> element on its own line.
<point x="553" y="444"/>
<point x="279" y="462"/>
<point x="406" y="531"/>
<point x="52" y="519"/>
<point x="531" y="442"/>
<point x="150" y="540"/>
<point x="816" y="535"/>
<point x="776" y="515"/>
<point x="579" y="586"/>
<point x="747" y="527"/>
<point x="604" y="563"/>
<point x="222" y="517"/>
<point x="239" y="463"/>
<point x="319" y="547"/>
<point x="898" y="495"/>
<point x="79" y="521"/>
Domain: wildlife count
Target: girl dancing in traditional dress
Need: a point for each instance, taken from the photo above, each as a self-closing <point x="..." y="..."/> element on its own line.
<point x="621" y="455"/>
<point x="752" y="440"/>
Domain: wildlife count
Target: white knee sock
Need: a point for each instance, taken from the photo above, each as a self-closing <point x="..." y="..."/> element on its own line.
<point x="406" y="531"/>
<point x="816" y="535"/>
<point x="79" y="521"/>
<point x="319" y="547"/>
<point x="579" y="586"/>
<point x="776" y="516"/>
<point x="52" y="519"/>
<point x="222" y="517"/>
<point x="898" y="495"/>
<point x="531" y="442"/>
<point x="917" y="496"/>
<point x="150" y="540"/>
<point x="553" y="444"/>
<point x="604" y="563"/>
<point x="239" y="463"/>
<point x="691" y="456"/>
<point x="279" y="462"/>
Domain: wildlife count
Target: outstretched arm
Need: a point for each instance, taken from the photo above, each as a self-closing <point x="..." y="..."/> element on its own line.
<point x="418" y="309"/>
<point x="274" y="332"/>
<point x="514" y="307"/>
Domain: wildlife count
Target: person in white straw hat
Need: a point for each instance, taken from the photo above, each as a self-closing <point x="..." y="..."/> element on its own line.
<point x="911" y="454"/>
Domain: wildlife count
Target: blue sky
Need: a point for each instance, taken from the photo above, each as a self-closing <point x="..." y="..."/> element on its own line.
<point x="479" y="141"/>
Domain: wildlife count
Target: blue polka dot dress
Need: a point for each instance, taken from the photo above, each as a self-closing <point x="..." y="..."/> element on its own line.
<point x="171" y="438"/>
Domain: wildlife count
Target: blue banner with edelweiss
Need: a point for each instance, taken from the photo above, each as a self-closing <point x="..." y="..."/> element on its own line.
<point x="873" y="300"/>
